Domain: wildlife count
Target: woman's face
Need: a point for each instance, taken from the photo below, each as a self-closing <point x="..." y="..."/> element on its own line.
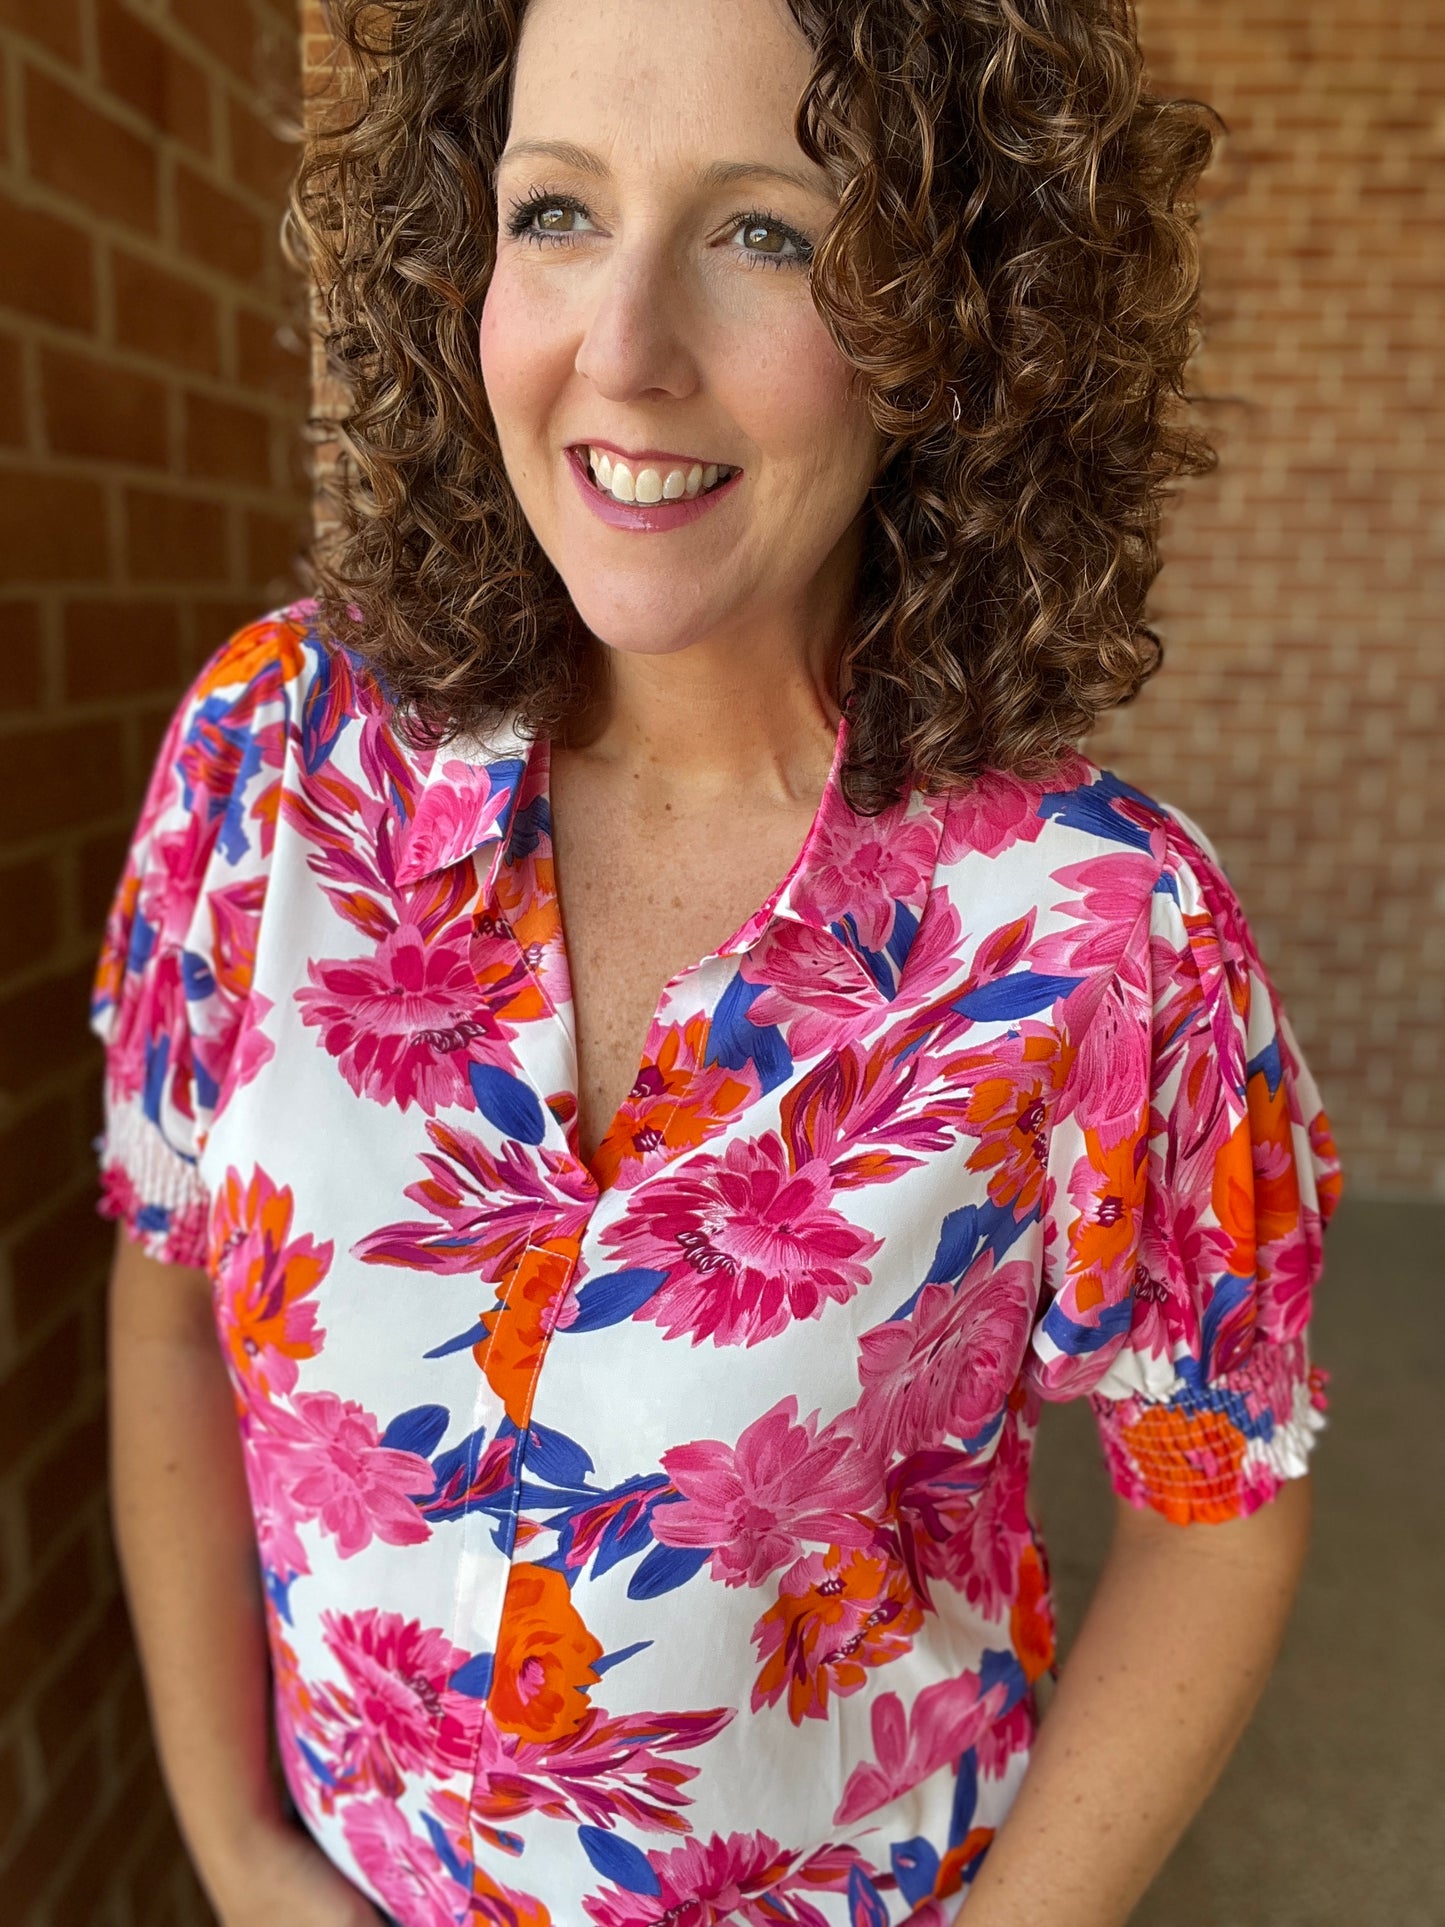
<point x="647" y="303"/>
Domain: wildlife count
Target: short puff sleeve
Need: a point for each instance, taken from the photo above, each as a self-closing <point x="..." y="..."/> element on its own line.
<point x="172" y="999"/>
<point x="1191" y="1173"/>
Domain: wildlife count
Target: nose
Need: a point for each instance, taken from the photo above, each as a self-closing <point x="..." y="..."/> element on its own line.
<point x="640" y="331"/>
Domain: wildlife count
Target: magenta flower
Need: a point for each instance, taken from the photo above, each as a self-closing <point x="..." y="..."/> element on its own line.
<point x="943" y="1721"/>
<point x="403" y="1868"/>
<point x="454" y="817"/>
<point x="406" y="1023"/>
<point x="999" y="810"/>
<point x="813" y="989"/>
<point x="946" y="1369"/>
<point x="395" y="1714"/>
<point x="747" y="1244"/>
<point x="326" y="1452"/>
<point x="700" y="1885"/>
<point x="860" y="864"/>
<point x="753" y="1503"/>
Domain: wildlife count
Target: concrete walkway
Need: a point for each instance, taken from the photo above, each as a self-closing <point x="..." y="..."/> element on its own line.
<point x="1332" y="1812"/>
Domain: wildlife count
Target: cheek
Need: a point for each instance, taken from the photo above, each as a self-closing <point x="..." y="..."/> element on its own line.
<point x="790" y="394"/>
<point x="514" y="349"/>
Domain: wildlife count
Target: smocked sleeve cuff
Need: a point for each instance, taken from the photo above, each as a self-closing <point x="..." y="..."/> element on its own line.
<point x="1218" y="1449"/>
<point x="150" y="1188"/>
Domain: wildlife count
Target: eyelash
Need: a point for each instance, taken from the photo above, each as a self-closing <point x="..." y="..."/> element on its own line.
<point x="524" y="211"/>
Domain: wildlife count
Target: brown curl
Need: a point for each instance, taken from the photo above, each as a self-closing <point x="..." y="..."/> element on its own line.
<point x="1013" y="272"/>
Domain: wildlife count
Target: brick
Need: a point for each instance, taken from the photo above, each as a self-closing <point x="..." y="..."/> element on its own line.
<point x="43" y="1030"/>
<point x="160" y="314"/>
<point x="66" y="1252"/>
<point x="216" y="228"/>
<point x="37" y="1157"/>
<point x="49" y="266"/>
<point x="153" y="76"/>
<point x="52" y="1491"/>
<point x="61" y="776"/>
<point x="20" y="650"/>
<point x="174" y="538"/>
<point x="29" y="932"/>
<point x="261" y="159"/>
<point x="52" y="528"/>
<point x="12" y="399"/>
<point x="216" y="618"/>
<point x="46" y="1845"/>
<point x="35" y="1395"/>
<point x="227" y="443"/>
<point x="228" y="32"/>
<point x="92" y="1868"/>
<point x="100" y="861"/>
<point x="12" y="1793"/>
<point x="273" y="359"/>
<point x="88" y="155"/>
<point x="53" y="24"/>
<point x="95" y="408"/>
<point x="273" y="543"/>
<point x="115" y="649"/>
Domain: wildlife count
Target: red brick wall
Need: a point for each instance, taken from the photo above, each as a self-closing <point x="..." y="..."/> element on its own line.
<point x="151" y="497"/>
<point x="1301" y="594"/>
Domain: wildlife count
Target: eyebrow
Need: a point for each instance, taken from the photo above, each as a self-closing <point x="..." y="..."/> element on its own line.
<point x="715" y="174"/>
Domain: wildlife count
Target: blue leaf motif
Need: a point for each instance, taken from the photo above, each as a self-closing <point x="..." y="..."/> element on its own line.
<point x="865" y="1903"/>
<point x="508" y="1103"/>
<point x="610" y="1299"/>
<point x="915" y="1868"/>
<point x="1018" y="995"/>
<point x="418" y="1430"/>
<point x="665" y="1568"/>
<point x="473" y="1677"/>
<point x="619" y="1861"/>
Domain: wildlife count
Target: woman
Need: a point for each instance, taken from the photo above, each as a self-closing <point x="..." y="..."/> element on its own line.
<point x="637" y="1026"/>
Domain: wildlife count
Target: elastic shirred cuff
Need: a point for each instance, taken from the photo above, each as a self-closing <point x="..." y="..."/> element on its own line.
<point x="150" y="1188"/>
<point x="1217" y="1450"/>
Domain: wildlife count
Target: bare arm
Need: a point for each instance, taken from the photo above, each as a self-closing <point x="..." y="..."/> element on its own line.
<point x="1179" y="1639"/>
<point x="186" y="1543"/>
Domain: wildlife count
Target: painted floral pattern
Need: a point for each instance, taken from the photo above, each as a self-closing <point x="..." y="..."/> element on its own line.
<point x="647" y="1541"/>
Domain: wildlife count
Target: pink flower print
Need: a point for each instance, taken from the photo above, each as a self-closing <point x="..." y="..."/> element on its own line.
<point x="395" y="1713"/>
<point x="275" y="1516"/>
<point x="401" y="1867"/>
<point x="858" y="865"/>
<point x="752" y="1503"/>
<point x="814" y="990"/>
<point x="328" y="1452"/>
<point x="263" y="1280"/>
<point x="1110" y="1080"/>
<point x="943" y="1721"/>
<point x="701" y="1885"/>
<point x="982" y="1559"/>
<point x="996" y="811"/>
<point x="406" y="1023"/>
<point x="1011" y="1734"/>
<point x="454" y="816"/>
<point x="747" y="1244"/>
<point x="1113" y="891"/>
<point x="946" y="1370"/>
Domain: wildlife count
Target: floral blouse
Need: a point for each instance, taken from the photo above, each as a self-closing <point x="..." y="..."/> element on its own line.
<point x="647" y="1541"/>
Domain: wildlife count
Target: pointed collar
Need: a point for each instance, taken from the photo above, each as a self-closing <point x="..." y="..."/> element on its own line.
<point x="860" y="881"/>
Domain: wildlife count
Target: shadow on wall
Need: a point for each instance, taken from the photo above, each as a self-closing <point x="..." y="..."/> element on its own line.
<point x="1332" y="1812"/>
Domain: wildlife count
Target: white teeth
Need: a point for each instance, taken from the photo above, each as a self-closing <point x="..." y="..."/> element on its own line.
<point x="651" y="484"/>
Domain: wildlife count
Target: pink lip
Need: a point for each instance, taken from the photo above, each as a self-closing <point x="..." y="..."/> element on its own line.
<point x="642" y="517"/>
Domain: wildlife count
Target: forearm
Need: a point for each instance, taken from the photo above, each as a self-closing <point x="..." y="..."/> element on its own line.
<point x="1175" y="1649"/>
<point x="186" y="1543"/>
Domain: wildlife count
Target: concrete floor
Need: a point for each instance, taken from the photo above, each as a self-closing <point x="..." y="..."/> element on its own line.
<point x="1332" y="1812"/>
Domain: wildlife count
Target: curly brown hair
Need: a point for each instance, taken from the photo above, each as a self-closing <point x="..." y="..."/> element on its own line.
<point x="1015" y="244"/>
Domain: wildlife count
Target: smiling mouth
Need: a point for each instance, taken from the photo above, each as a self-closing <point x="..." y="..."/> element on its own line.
<point x="649" y="482"/>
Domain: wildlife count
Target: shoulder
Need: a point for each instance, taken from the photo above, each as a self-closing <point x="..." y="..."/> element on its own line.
<point x="1084" y="813"/>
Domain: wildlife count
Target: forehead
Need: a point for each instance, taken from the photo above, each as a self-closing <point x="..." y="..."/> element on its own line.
<point x="655" y="77"/>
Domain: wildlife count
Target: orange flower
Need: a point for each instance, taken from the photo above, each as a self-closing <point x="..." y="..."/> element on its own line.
<point x="838" y="1614"/>
<point x="954" y="1863"/>
<point x="1008" y="1111"/>
<point x="1103" y="1236"/>
<point x="1276" y="1183"/>
<point x="676" y="1103"/>
<point x="1331" y="1183"/>
<point x="518" y="1328"/>
<point x="1233" y="1199"/>
<point x="261" y="645"/>
<point x="544" y="1657"/>
<point x="1031" y="1619"/>
<point x="1189" y="1462"/>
